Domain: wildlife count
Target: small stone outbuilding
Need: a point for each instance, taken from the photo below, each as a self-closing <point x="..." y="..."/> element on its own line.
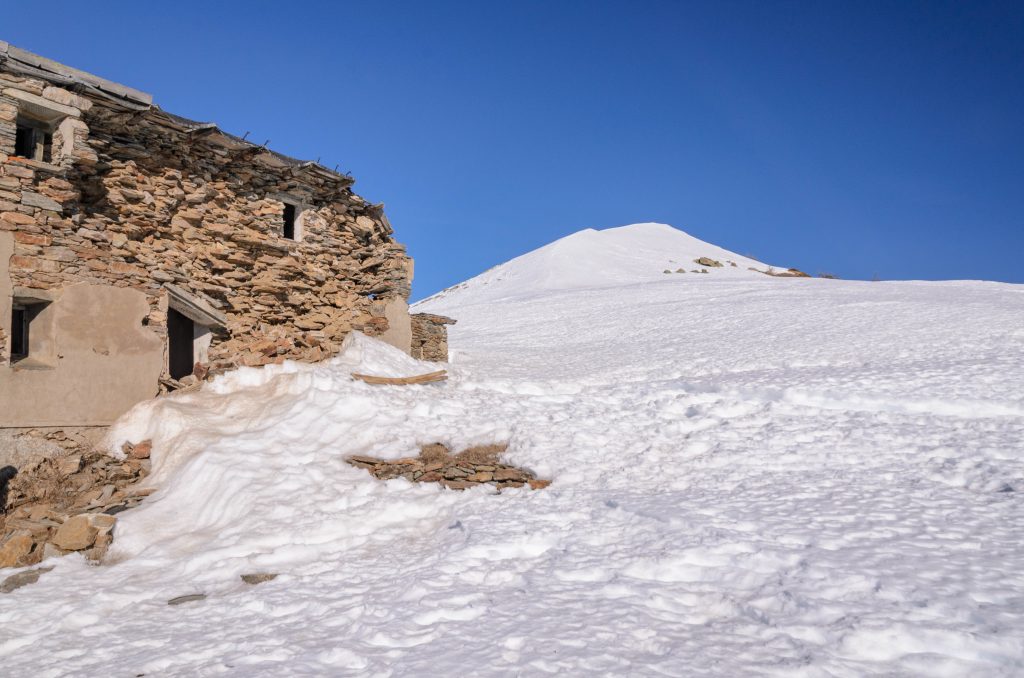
<point x="136" y="244"/>
<point x="430" y="336"/>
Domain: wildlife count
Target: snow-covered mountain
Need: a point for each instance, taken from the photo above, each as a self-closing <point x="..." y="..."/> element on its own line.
<point x="607" y="258"/>
<point x="750" y="476"/>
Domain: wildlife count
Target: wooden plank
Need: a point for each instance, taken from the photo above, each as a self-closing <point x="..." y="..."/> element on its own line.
<point x="427" y="378"/>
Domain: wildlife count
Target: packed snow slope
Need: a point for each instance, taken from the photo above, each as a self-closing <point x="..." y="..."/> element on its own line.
<point x="592" y="259"/>
<point x="751" y="476"/>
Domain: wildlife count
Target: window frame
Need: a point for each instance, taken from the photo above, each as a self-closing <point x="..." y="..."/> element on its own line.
<point x="301" y="204"/>
<point x="42" y="138"/>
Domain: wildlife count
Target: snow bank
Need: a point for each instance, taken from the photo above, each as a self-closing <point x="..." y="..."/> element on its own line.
<point x="262" y="448"/>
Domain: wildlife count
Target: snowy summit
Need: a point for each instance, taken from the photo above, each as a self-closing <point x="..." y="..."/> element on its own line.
<point x="606" y="258"/>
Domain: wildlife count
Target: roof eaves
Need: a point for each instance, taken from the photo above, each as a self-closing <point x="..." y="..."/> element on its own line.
<point x="33" y="64"/>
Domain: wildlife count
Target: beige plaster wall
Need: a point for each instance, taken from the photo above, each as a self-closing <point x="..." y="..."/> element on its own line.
<point x="399" y="332"/>
<point x="97" y="361"/>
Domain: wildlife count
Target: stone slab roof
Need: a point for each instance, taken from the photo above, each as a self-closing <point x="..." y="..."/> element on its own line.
<point x="23" y="62"/>
<point x="32" y="64"/>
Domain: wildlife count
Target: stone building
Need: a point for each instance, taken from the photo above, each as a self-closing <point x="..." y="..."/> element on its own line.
<point x="430" y="336"/>
<point x="136" y="244"/>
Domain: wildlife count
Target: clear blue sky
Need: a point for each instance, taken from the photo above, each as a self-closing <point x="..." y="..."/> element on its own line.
<point x="863" y="139"/>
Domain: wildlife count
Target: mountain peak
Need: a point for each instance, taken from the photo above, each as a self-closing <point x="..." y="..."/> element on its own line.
<point x="611" y="257"/>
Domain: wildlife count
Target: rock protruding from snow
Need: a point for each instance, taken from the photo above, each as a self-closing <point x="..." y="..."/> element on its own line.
<point x="70" y="504"/>
<point x="598" y="259"/>
<point x="475" y="466"/>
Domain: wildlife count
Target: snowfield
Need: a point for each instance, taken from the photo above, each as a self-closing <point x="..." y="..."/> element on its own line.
<point x="751" y="476"/>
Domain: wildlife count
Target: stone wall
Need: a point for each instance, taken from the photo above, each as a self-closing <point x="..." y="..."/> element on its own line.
<point x="430" y="336"/>
<point x="134" y="197"/>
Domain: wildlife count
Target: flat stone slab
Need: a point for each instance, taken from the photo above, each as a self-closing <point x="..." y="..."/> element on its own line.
<point x="16" y="581"/>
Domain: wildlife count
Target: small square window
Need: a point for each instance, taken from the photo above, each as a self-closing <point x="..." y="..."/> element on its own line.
<point x="33" y="140"/>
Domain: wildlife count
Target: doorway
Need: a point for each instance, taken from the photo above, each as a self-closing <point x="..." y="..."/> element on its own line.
<point x="180" y="337"/>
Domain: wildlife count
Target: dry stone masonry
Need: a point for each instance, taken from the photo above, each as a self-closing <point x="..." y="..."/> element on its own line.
<point x="69" y="504"/>
<point x="135" y="243"/>
<point x="436" y="464"/>
<point x="430" y="336"/>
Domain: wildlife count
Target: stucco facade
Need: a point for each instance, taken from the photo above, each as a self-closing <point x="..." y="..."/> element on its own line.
<point x="94" y="361"/>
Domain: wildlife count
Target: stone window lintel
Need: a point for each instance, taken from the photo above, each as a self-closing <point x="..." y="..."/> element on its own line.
<point x="194" y="308"/>
<point x="41" y="109"/>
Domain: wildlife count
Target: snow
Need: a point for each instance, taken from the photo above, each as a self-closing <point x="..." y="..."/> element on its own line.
<point x="598" y="259"/>
<point x="751" y="475"/>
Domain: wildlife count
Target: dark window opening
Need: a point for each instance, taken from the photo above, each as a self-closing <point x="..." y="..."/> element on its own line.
<point x="289" y="221"/>
<point x="180" y="341"/>
<point x="19" y="334"/>
<point x="32" y="141"/>
<point x="22" y="315"/>
<point x="25" y="142"/>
